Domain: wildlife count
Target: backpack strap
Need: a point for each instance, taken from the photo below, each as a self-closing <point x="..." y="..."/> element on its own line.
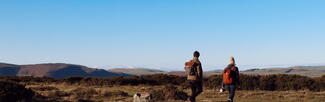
<point x="233" y="68"/>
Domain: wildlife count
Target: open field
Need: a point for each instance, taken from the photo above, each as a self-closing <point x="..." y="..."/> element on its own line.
<point x="161" y="87"/>
<point x="61" y="92"/>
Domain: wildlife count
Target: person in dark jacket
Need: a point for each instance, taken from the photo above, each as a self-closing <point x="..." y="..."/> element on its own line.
<point x="195" y="80"/>
<point x="234" y="83"/>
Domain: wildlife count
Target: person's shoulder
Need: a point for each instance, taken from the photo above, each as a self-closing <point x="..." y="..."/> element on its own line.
<point x="197" y="62"/>
<point x="229" y="66"/>
<point x="236" y="68"/>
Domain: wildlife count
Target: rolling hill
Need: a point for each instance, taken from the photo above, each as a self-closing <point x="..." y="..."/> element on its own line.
<point x="54" y="70"/>
<point x="61" y="70"/>
<point x="137" y="71"/>
<point x="311" y="71"/>
<point x="182" y="73"/>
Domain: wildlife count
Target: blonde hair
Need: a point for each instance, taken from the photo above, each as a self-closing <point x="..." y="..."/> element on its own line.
<point x="232" y="60"/>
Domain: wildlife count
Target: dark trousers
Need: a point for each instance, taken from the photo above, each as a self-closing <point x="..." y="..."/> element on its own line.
<point x="231" y="88"/>
<point x="196" y="87"/>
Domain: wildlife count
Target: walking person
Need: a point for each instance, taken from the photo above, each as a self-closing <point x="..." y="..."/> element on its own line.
<point x="194" y="72"/>
<point x="231" y="79"/>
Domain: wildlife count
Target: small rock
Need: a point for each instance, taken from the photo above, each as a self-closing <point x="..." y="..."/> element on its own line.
<point x="142" y="97"/>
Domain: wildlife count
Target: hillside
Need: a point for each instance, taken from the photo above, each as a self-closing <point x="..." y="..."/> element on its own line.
<point x="312" y="71"/>
<point x="54" y="70"/>
<point x="182" y="73"/>
<point x="61" y="70"/>
<point x="136" y="71"/>
<point x="147" y="71"/>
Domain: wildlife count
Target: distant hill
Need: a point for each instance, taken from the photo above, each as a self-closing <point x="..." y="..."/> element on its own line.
<point x="213" y="72"/>
<point x="312" y="71"/>
<point x="205" y="74"/>
<point x="177" y="73"/>
<point x="54" y="70"/>
<point x="61" y="70"/>
<point x="137" y="71"/>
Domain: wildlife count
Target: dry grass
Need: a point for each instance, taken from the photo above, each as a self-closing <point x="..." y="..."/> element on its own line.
<point x="62" y="92"/>
<point x="265" y="96"/>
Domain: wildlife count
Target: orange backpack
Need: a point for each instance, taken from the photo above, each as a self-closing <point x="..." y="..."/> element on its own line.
<point x="228" y="75"/>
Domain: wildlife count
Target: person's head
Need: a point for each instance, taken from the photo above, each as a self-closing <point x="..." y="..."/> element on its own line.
<point x="196" y="54"/>
<point x="232" y="60"/>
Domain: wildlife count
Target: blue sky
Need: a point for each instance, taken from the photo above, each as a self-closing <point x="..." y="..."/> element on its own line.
<point x="162" y="33"/>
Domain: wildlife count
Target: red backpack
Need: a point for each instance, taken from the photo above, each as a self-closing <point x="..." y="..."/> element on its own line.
<point x="228" y="75"/>
<point x="190" y="68"/>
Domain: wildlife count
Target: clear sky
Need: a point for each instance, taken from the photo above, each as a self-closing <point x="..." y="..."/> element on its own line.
<point x="162" y="33"/>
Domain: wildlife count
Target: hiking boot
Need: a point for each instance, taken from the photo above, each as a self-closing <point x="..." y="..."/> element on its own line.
<point x="192" y="99"/>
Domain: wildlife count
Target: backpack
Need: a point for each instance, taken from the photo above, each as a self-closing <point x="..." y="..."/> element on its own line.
<point x="228" y="75"/>
<point x="190" y="68"/>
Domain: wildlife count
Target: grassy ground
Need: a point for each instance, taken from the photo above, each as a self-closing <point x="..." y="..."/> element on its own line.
<point x="265" y="96"/>
<point x="63" y="92"/>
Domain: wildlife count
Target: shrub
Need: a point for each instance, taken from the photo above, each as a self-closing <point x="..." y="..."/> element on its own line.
<point x="28" y="79"/>
<point x="44" y="88"/>
<point x="319" y="84"/>
<point x="248" y="82"/>
<point x="13" y="92"/>
<point x="82" y="100"/>
<point x="72" y="80"/>
<point x="157" y="79"/>
<point x="213" y="82"/>
<point x="157" y="95"/>
<point x="169" y="92"/>
<point x="57" y="94"/>
<point x="267" y="82"/>
<point x="293" y="82"/>
<point x="83" y="93"/>
<point x="115" y="93"/>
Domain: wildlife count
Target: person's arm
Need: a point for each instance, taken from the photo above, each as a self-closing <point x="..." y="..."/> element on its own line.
<point x="200" y="72"/>
<point x="238" y="77"/>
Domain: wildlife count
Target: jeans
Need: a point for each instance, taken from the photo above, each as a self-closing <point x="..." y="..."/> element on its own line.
<point x="196" y="87"/>
<point x="231" y="88"/>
